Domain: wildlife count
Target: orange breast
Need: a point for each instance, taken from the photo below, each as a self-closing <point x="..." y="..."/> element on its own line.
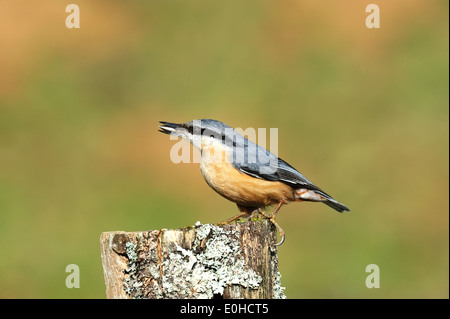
<point x="243" y="189"/>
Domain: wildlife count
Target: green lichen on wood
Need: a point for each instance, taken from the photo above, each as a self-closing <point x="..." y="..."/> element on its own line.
<point x="216" y="264"/>
<point x="278" y="290"/>
<point x="132" y="284"/>
<point x="201" y="263"/>
<point x="143" y="280"/>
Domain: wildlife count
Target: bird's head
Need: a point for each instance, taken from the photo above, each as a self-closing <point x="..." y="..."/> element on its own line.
<point x="200" y="132"/>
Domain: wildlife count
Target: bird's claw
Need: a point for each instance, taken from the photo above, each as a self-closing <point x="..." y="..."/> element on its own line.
<point x="281" y="241"/>
<point x="280" y="231"/>
<point x="232" y="219"/>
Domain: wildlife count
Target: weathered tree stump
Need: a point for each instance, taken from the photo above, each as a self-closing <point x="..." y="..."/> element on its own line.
<point x="238" y="260"/>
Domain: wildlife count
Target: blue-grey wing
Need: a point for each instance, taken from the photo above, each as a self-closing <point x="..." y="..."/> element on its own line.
<point x="260" y="163"/>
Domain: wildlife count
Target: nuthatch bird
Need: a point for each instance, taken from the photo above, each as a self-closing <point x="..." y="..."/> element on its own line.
<point x="246" y="173"/>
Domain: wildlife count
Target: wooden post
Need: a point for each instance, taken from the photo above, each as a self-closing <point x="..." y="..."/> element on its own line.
<point x="238" y="260"/>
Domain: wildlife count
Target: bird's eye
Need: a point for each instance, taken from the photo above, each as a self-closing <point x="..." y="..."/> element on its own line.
<point x="208" y="132"/>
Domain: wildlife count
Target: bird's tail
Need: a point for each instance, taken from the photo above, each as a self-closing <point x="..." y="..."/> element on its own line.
<point x="303" y="194"/>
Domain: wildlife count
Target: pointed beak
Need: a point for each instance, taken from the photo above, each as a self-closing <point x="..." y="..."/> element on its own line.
<point x="168" y="128"/>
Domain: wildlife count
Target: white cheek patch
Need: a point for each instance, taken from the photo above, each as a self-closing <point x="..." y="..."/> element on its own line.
<point x="307" y="194"/>
<point x="213" y="151"/>
<point x="210" y="141"/>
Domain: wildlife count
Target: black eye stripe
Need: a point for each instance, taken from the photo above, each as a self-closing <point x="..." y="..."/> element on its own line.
<point x="188" y="128"/>
<point x="210" y="133"/>
<point x="207" y="132"/>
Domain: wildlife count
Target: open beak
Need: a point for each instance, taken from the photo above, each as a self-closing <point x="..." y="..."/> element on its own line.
<point x="168" y="128"/>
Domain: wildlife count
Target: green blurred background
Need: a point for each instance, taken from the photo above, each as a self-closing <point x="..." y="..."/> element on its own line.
<point x="361" y="112"/>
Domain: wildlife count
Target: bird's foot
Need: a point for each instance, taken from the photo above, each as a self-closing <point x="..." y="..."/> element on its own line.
<point x="256" y="214"/>
<point x="232" y="219"/>
<point x="280" y="230"/>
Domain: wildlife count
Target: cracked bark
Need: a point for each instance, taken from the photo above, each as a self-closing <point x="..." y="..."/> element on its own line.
<point x="238" y="260"/>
